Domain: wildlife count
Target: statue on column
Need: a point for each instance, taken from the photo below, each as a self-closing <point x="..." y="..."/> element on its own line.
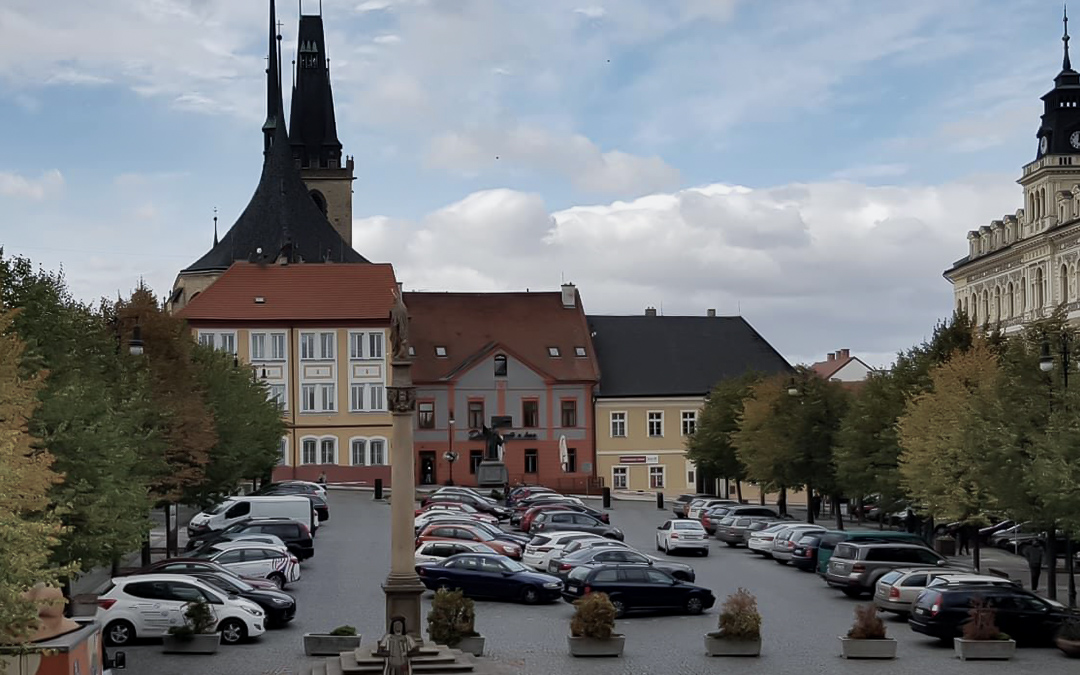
<point x="397" y="647"/>
<point x="399" y="328"/>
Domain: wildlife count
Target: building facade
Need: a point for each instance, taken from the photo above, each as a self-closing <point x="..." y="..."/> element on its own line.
<point x="655" y="373"/>
<point x="841" y="366"/>
<point x="525" y="357"/>
<point x="1023" y="266"/>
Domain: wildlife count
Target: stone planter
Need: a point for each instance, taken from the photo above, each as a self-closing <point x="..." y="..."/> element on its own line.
<point x="473" y="644"/>
<point x="851" y="648"/>
<point x="20" y="664"/>
<point x="584" y="646"/>
<point x="715" y="645"/>
<point x="970" y="650"/>
<point x="1071" y="648"/>
<point x="324" y="644"/>
<point x="204" y="643"/>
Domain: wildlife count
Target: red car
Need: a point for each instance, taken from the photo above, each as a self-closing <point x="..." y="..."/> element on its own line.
<point x="452" y="532"/>
<point x="452" y="507"/>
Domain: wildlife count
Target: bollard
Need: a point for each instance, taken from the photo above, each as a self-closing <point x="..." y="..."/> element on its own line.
<point x="660" y="500"/>
<point x="607" y="498"/>
<point x="378" y="488"/>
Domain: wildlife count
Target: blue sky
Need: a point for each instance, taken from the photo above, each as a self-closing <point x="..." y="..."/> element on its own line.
<point x="812" y="164"/>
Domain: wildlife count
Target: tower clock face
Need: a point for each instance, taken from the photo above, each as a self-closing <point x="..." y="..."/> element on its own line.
<point x="1044" y="143"/>
<point x="1074" y="140"/>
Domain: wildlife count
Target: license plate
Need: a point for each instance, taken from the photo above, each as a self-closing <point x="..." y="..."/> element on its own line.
<point x="552" y="567"/>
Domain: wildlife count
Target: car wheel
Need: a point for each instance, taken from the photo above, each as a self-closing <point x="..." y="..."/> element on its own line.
<point x="278" y="579"/>
<point x="530" y="596"/>
<point x="694" y="605"/>
<point x="119" y="633"/>
<point x="852" y="592"/>
<point x="233" y="631"/>
<point x="705" y="553"/>
<point x="730" y="544"/>
<point x="779" y="561"/>
<point x="620" y="608"/>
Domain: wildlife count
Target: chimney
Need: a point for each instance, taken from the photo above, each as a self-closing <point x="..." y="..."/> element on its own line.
<point x="710" y="312"/>
<point x="650" y="311"/>
<point x="843" y="354"/>
<point x="830" y="357"/>
<point x="569" y="296"/>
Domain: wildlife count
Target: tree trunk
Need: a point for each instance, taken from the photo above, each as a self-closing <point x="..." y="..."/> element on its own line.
<point x="738" y="490"/>
<point x="810" y="502"/>
<point x="1051" y="555"/>
<point x="761" y="495"/>
<point x="975" y="552"/>
<point x="782" y="501"/>
<point x="838" y="512"/>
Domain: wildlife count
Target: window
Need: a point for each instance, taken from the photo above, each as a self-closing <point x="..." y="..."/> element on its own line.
<point x="359" y="451"/>
<point x="206" y="340"/>
<point x="283" y="452"/>
<point x="258" y="346"/>
<point x="656" y="424"/>
<point x="579" y="351"/>
<point x="307" y="398"/>
<point x="375" y="345"/>
<point x="356" y="397"/>
<point x="656" y="477"/>
<point x="277" y="346"/>
<point x="530" y="414"/>
<point x="571" y="460"/>
<point x="440" y="352"/>
<point x="500" y="366"/>
<point x="276" y="393"/>
<point x="618" y="477"/>
<point x="691" y="473"/>
<point x="307" y="346"/>
<point x="569" y="413"/>
<point x="328" y="454"/>
<point x="308" y="456"/>
<point x="476" y="414"/>
<point x="377" y="446"/>
<point x="326" y="346"/>
<point x="475" y="457"/>
<point x="356" y="345"/>
<point x="377" y="402"/>
<point x="618" y="424"/>
<point x="553" y="351"/>
<point x="327" y="397"/>
<point x="530" y="461"/>
<point x="426" y="414"/>
<point x="689" y="422"/>
<point x="228" y="343"/>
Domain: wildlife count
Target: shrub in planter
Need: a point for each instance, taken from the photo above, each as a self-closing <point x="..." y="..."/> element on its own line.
<point x="740" y="627"/>
<point x="452" y="620"/>
<point x="341" y="639"/>
<point x="340" y="631"/>
<point x="982" y="638"/>
<point x="592" y="630"/>
<point x="867" y="639"/>
<point x="196" y="635"/>
<point x="1068" y="638"/>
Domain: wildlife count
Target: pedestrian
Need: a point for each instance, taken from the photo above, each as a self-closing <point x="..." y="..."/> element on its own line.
<point x="322" y="478"/>
<point x="963" y="538"/>
<point x="1034" y="555"/>
<point x="909" y="521"/>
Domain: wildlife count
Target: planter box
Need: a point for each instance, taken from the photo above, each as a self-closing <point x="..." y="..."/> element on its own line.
<point x="969" y="650"/>
<point x="323" y="644"/>
<point x="1070" y="647"/>
<point x="851" y="648"/>
<point x="206" y="643"/>
<point x="720" y="646"/>
<point x="472" y="645"/>
<point x="583" y="646"/>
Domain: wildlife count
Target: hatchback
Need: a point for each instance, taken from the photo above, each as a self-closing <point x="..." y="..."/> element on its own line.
<point x="762" y="540"/>
<point x="896" y="590"/>
<point x="437" y="551"/>
<point x="149" y="605"/>
<point x="602" y="555"/>
<point x="784" y="541"/>
<point x="804" y="555"/>
<point x="260" y="560"/>
<point x="543" y="547"/>
<point x="193" y="565"/>
<point x="736" y="530"/>
<point x="634" y="587"/>
<point x="279" y="606"/>
<point x="1020" y="614"/>
<point x="698" y="506"/>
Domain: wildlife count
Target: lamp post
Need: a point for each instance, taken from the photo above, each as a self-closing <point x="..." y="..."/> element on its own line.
<point x="793" y="391"/>
<point x="450" y="456"/>
<point x="1046" y="365"/>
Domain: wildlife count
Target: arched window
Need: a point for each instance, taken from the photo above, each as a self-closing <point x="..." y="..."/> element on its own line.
<point x="1040" y="289"/>
<point x="500" y="365"/>
<point x="309" y="446"/>
<point x="974" y="315"/>
<point x="1063" y="282"/>
<point x="997" y="303"/>
<point x="319" y="200"/>
<point x="1023" y="294"/>
<point x="358" y="451"/>
<point x="984" y="313"/>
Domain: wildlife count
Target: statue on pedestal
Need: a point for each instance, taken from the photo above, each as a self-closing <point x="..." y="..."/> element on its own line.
<point x="397" y="647"/>
<point x="399" y="328"/>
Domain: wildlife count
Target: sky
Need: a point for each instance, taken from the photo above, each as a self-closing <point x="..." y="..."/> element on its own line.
<point x="813" y="165"/>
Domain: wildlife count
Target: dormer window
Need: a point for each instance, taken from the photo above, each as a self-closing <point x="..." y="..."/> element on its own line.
<point x="500" y="365"/>
<point x="553" y="351"/>
<point x="579" y="351"/>
<point x="440" y="352"/>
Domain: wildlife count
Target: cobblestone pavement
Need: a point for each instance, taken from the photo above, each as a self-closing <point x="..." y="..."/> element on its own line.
<point x="802" y="617"/>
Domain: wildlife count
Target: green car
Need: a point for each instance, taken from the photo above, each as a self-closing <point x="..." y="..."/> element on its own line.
<point x="831" y="538"/>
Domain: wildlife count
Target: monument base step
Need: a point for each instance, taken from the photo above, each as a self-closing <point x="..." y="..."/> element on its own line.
<point x="437" y="660"/>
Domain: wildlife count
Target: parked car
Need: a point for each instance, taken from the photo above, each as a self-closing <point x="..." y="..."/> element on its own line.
<point x="437" y="551"/>
<point x="713" y="516"/>
<point x="675" y="534"/>
<point x="635" y="587"/>
<point x="439" y="532"/>
<point x="602" y="555"/>
<point x="454" y="507"/>
<point x="296" y="535"/>
<point x="315" y="488"/>
<point x="482" y="504"/>
<point x="451" y="490"/>
<point x="554" y="521"/>
<point x="1020" y="614"/>
<point x="279" y="607"/>
<point x="148" y="605"/>
<point x="804" y="555"/>
<point x="856" y="567"/>
<point x="735" y="530"/>
<point x="484" y="575"/>
<point x="194" y="565"/>
<point x="680" y="503"/>
<point x="527" y="518"/>
<point x="896" y="590"/>
<point x="543" y="547"/>
<point x="262" y="560"/>
<point x="522" y="507"/>
<point x="234" y="509"/>
<point x="598" y="541"/>
<point x="831" y="538"/>
<point x="492" y="529"/>
<point x="761" y="541"/>
<point x="784" y="540"/>
<point x="698" y="506"/>
<point x="524" y="491"/>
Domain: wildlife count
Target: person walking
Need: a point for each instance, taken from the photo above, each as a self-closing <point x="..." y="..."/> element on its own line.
<point x="963" y="539"/>
<point x="322" y="478"/>
<point x="1034" y="555"/>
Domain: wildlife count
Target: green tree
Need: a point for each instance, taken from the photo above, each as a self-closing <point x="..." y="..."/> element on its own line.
<point x="711" y="446"/>
<point x="762" y="441"/>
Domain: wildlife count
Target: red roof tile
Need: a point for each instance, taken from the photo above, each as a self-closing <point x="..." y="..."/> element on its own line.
<point x="302" y="292"/>
<point x="826" y="369"/>
<point x="524" y="325"/>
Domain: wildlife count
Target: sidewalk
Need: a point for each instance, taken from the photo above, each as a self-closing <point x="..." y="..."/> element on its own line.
<point x="1001" y="563"/>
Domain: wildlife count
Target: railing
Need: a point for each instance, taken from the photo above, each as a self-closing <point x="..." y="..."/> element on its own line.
<point x="583" y="485"/>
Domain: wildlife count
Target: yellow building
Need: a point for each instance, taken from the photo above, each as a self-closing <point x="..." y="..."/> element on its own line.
<point x="655" y="372"/>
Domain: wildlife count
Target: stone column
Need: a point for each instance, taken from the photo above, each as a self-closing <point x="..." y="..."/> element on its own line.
<point x="403" y="588"/>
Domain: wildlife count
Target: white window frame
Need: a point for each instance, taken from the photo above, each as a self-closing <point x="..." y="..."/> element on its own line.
<point x="333" y="452"/>
<point x="258" y="346"/>
<point x="363" y="451"/>
<point x="356" y="345"/>
<point x="649" y="420"/>
<point x="275" y="355"/>
<point x="308" y="344"/>
<point x="618" y="472"/>
<point x="621" y="421"/>
<point x="691" y="473"/>
<point x="385" y="451"/>
<point x="354" y="388"/>
<point x="273" y="391"/>
<point x="216" y="340"/>
<point x="327" y="397"/>
<point x="327" y="339"/>
<point x="376" y="345"/>
<point x="308" y="398"/>
<point x="685" y="415"/>
<point x="657" y="470"/>
<point x="314" y="452"/>
<point x="283" y="452"/>
<point x="376" y="395"/>
<point x="206" y="339"/>
<point x="231" y="347"/>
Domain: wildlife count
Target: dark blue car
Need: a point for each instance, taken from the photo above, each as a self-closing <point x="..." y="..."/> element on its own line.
<point x="489" y="575"/>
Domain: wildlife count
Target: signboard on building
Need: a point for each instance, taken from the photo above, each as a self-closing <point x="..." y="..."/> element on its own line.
<point x="639" y="459"/>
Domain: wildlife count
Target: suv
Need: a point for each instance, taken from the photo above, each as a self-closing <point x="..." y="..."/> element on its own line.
<point x="855" y="568"/>
<point x="296" y="536"/>
<point x="1022" y="615"/>
<point x="833" y="538"/>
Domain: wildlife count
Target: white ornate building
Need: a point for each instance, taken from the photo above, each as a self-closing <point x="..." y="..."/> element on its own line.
<point x="1020" y="268"/>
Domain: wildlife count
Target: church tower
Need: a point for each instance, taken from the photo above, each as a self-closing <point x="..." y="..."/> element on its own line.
<point x="313" y="129"/>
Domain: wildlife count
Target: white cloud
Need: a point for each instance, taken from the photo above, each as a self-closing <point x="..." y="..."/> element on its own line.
<point x="589" y="168"/>
<point x="16" y="185"/>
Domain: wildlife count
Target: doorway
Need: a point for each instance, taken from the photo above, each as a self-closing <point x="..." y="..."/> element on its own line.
<point x="427" y="467"/>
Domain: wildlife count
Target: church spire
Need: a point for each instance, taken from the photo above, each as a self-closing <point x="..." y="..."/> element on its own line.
<point x="273" y="83"/>
<point x="1066" y="64"/>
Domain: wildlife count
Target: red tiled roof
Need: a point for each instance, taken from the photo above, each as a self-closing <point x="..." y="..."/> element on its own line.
<point x="304" y="292"/>
<point x="524" y="325"/>
<point x="826" y="369"/>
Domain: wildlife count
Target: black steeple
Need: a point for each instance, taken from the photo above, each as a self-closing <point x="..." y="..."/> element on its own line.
<point x="281" y="222"/>
<point x="273" y="82"/>
<point x="1059" y="133"/>
<point x="312" y="126"/>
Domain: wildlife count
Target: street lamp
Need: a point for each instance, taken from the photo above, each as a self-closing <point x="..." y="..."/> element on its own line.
<point x="135" y="345"/>
<point x="1046" y="364"/>
<point x="450" y="456"/>
<point x="793" y="391"/>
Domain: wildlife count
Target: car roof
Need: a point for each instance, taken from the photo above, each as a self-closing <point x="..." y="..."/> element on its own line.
<point x="884" y="544"/>
<point x="244" y="543"/>
<point x="155" y="576"/>
<point x="962" y="577"/>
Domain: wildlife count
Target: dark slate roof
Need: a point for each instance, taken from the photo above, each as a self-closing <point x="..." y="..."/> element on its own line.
<point x="677" y="355"/>
<point x="312" y="127"/>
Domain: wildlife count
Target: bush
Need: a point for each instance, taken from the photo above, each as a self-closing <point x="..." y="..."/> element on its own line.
<point x="981" y="625"/>
<point x="452" y="617"/>
<point x="739" y="617"/>
<point x="343" y="631"/>
<point x="594" y="617"/>
<point x="198" y="620"/>
<point x="1070" y="630"/>
<point x="868" y="625"/>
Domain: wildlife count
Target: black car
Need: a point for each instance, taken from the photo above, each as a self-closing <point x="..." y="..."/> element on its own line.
<point x="636" y="587"/>
<point x="481" y="504"/>
<point x="804" y="555"/>
<point x="489" y="575"/>
<point x="563" y="565"/>
<point x="561" y="521"/>
<point x="1020" y="614"/>
<point x="280" y="607"/>
<point x="295" y="535"/>
<point x="317" y="502"/>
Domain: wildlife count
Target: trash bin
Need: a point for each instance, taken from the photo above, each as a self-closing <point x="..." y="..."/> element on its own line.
<point x="945" y="545"/>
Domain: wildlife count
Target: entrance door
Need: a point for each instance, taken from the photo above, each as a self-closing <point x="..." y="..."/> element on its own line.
<point x="427" y="467"/>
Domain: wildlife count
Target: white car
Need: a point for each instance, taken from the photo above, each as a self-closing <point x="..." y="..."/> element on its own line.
<point x="542" y="548"/>
<point x="248" y="559"/>
<point x="319" y="488"/>
<point x="437" y="551"/>
<point x="784" y="540"/>
<point x="762" y="540"/>
<point x="147" y="605"/>
<point x="699" y="506"/>
<point x="260" y="538"/>
<point x="682" y="533"/>
<point x="453" y="507"/>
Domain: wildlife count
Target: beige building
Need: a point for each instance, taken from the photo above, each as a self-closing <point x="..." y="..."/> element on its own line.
<point x="642" y="443"/>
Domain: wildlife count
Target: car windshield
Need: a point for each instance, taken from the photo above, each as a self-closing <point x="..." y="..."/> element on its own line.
<point x="221" y="508"/>
<point x="513" y="565"/>
<point x="890" y="577"/>
<point x="774" y="528"/>
<point x="579" y="573"/>
<point x="688" y="525"/>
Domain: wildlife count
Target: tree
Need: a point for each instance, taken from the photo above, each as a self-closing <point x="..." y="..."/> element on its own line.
<point x="763" y="442"/>
<point x="711" y="446"/>
<point x="818" y="410"/>
<point x="29" y="525"/>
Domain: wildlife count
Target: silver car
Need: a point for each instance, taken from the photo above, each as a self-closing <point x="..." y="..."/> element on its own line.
<point x="896" y="590"/>
<point x="784" y="541"/>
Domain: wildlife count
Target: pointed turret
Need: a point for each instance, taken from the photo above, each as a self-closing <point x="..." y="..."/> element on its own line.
<point x="1059" y="133"/>
<point x="273" y="83"/>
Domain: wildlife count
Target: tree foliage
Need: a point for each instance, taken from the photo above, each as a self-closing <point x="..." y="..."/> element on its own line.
<point x="711" y="446"/>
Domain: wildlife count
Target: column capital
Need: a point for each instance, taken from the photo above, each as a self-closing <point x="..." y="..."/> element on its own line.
<point x="401" y="400"/>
